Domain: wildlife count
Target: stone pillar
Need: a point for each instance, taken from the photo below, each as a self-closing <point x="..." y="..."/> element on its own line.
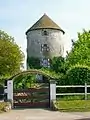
<point x="10" y="91"/>
<point x="52" y="92"/>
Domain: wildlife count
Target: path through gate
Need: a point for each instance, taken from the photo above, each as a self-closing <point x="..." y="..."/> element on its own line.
<point x="31" y="91"/>
<point x="32" y="97"/>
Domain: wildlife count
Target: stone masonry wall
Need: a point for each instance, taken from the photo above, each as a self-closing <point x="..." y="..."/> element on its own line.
<point x="36" y="37"/>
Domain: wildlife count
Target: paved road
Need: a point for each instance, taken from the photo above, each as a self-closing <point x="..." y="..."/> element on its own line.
<point x="41" y="114"/>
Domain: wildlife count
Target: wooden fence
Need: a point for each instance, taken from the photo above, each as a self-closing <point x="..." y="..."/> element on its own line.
<point x="74" y="86"/>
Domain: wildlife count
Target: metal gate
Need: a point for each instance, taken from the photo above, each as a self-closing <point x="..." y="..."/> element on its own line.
<point x="32" y="97"/>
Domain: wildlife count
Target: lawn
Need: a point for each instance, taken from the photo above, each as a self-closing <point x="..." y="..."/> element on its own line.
<point x="73" y="105"/>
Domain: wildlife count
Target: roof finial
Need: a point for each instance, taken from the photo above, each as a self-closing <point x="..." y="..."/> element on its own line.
<point x="44" y="13"/>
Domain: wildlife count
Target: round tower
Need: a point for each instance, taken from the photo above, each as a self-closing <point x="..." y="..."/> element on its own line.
<point x="44" y="40"/>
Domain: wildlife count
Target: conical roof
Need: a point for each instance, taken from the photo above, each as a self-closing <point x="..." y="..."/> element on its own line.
<point x="44" y="22"/>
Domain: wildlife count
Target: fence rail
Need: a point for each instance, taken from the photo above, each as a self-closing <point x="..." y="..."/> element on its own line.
<point x="74" y="86"/>
<point x="70" y="94"/>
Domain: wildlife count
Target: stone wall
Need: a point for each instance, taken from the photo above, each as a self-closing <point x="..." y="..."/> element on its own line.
<point x="53" y="39"/>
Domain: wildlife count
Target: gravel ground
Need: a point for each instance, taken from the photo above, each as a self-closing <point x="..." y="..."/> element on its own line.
<point x="42" y="114"/>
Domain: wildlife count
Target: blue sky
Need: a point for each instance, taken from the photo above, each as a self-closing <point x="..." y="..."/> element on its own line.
<point x="16" y="16"/>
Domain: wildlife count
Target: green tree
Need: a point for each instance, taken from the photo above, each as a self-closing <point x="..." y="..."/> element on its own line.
<point x="58" y="65"/>
<point x="11" y="57"/>
<point x="80" y="53"/>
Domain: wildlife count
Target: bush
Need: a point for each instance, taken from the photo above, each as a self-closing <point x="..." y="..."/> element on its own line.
<point x="78" y="75"/>
<point x="33" y="62"/>
<point x="5" y="106"/>
<point x="58" y="64"/>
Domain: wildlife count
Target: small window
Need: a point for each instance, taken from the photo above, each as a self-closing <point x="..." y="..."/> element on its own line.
<point x="45" y="45"/>
<point x="44" y="32"/>
<point x="44" y="48"/>
<point x="45" y="62"/>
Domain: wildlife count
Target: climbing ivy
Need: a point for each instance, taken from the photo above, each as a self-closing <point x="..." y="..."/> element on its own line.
<point x="33" y="62"/>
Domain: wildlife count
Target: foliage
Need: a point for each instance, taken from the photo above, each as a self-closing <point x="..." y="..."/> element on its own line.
<point x="24" y="81"/>
<point x="74" y="105"/>
<point x="34" y="63"/>
<point x="42" y="71"/>
<point x="3" y="105"/>
<point x="58" y="65"/>
<point x="11" y="57"/>
<point x="76" y="70"/>
<point x="28" y="78"/>
<point x="50" y="73"/>
<point x="80" y="53"/>
<point x="78" y="75"/>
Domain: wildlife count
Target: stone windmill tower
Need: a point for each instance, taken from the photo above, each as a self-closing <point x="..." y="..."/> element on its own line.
<point x="44" y="41"/>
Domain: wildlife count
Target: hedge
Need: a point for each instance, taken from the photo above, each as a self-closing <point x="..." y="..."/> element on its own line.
<point x="78" y="75"/>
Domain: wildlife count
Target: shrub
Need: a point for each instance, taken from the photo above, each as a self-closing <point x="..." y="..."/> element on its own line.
<point x="34" y="63"/>
<point x="57" y="64"/>
<point x="78" y="75"/>
<point x="5" y="106"/>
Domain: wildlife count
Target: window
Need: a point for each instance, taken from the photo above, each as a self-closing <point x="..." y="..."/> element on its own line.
<point x="44" y="32"/>
<point x="45" y="62"/>
<point x="44" y="48"/>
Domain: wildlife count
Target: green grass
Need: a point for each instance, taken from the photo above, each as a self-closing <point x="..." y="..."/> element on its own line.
<point x="73" y="106"/>
<point x="70" y="97"/>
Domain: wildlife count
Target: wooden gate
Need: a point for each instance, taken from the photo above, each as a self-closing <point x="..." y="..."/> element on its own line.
<point x="32" y="97"/>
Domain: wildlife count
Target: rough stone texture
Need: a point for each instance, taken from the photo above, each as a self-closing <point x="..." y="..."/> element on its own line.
<point x="35" y="38"/>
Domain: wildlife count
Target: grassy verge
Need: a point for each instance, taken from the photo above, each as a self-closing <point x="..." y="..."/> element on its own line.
<point x="73" y="106"/>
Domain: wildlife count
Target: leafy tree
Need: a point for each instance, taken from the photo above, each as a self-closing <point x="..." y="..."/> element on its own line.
<point x="80" y="53"/>
<point x="11" y="57"/>
<point x="58" y="65"/>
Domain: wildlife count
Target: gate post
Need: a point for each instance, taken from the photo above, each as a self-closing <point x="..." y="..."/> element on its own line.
<point x="52" y="92"/>
<point x="10" y="91"/>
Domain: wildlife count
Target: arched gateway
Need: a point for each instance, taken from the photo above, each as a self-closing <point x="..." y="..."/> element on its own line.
<point x="37" y="95"/>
